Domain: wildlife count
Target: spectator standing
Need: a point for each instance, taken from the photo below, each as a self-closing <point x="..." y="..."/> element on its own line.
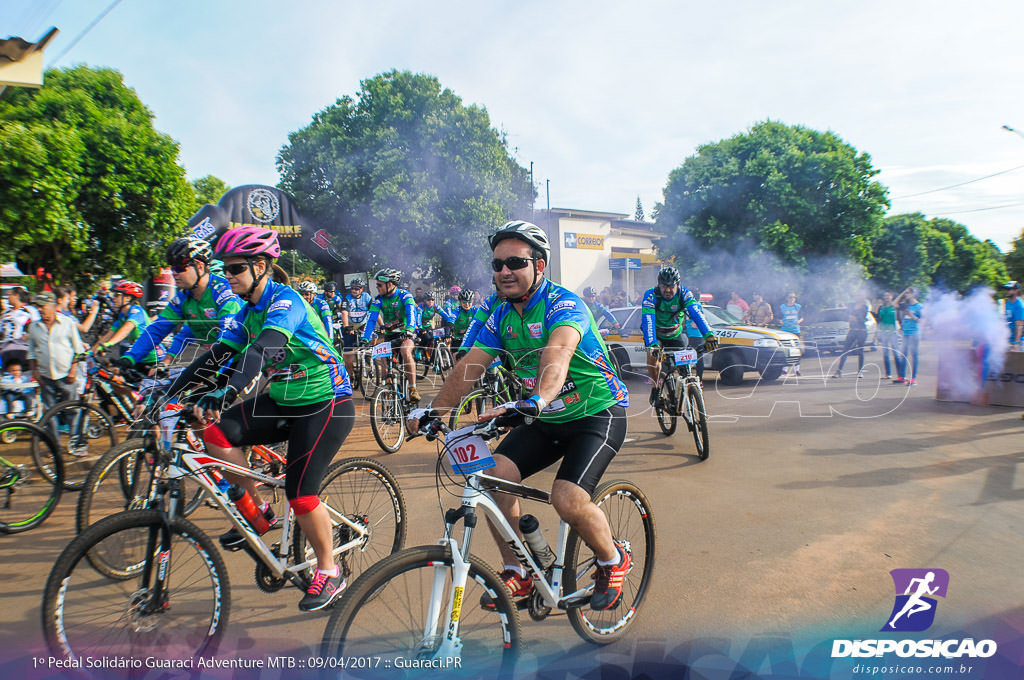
<point x="737" y="306"/>
<point x="856" y="336"/>
<point x="14" y="326"/>
<point x="53" y="342"/>
<point x="67" y="300"/>
<point x="888" y="332"/>
<point x="791" y="320"/>
<point x="760" y="312"/>
<point x="910" y="347"/>
<point x="1014" y="307"/>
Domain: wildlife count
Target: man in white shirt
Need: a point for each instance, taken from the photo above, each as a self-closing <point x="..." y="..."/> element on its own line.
<point x="53" y="342"/>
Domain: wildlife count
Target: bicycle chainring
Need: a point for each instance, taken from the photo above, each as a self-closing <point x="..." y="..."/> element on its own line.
<point x="266" y="581"/>
<point x="538" y="610"/>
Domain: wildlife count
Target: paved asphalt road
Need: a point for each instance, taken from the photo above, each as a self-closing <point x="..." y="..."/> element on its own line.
<point x="779" y="543"/>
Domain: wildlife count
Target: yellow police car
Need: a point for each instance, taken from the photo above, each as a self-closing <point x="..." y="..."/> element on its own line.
<point x="742" y="348"/>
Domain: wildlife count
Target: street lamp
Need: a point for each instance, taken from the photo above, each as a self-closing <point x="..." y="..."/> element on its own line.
<point x="1014" y="131"/>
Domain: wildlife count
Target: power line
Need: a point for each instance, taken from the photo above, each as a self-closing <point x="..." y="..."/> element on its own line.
<point x="82" y="34"/>
<point x="960" y="184"/>
<point x="974" y="210"/>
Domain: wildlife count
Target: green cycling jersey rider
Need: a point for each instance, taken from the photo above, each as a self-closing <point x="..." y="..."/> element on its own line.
<point x="664" y="325"/>
<point x="576" y="412"/>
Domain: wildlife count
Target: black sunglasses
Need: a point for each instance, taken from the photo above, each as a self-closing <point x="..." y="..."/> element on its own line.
<point x="236" y="268"/>
<point x="181" y="268"/>
<point x="513" y="263"/>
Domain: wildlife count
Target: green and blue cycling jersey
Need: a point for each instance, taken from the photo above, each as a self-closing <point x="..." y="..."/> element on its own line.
<point x="663" y="319"/>
<point x="137" y="315"/>
<point x="480" y="316"/>
<point x="397" y="311"/>
<point x="590" y="384"/>
<point x="428" y="312"/>
<point x="599" y="310"/>
<point x="462" y="321"/>
<point x="308" y="370"/>
<point x="203" y="319"/>
<point x="323" y="309"/>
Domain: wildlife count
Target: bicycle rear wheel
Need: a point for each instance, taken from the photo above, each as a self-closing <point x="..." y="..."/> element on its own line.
<point x="665" y="408"/>
<point x="27" y="497"/>
<point x="83" y="432"/>
<point x="399" y="610"/>
<point x="632" y="524"/>
<point x="699" y="424"/>
<point x="387" y="419"/>
<point x="88" y="614"/>
<point x="366" y="493"/>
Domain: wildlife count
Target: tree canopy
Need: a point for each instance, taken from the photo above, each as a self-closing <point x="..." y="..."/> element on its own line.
<point x="209" y="189"/>
<point x="786" y="190"/>
<point x="408" y="176"/>
<point x="87" y="185"/>
<point x="1015" y="259"/>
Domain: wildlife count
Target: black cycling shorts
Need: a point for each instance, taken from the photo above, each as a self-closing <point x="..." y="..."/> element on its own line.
<point x="314" y="434"/>
<point x="681" y="341"/>
<point x="586" y="446"/>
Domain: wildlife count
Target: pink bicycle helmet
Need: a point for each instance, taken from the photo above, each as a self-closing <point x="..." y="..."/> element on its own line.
<point x="454" y="291"/>
<point x="248" y="241"/>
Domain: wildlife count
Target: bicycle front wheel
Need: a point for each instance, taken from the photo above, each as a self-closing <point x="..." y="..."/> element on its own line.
<point x="632" y="524"/>
<point x="698" y="420"/>
<point x="400" y="610"/>
<point x="365" y="493"/>
<point x="27" y="497"/>
<point x="471" y="406"/>
<point x="387" y="419"/>
<point x="665" y="408"/>
<point x="84" y="432"/>
<point x="86" y="614"/>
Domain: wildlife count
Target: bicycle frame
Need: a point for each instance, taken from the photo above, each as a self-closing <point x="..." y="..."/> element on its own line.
<point x="476" y="495"/>
<point x="189" y="463"/>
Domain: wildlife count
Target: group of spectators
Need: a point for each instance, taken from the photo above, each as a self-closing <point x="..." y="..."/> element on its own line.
<point x="39" y="339"/>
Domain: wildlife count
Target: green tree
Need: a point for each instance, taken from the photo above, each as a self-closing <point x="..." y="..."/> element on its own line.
<point x="407" y="176"/>
<point x="1014" y="260"/>
<point x="638" y="214"/>
<point x="300" y="266"/>
<point x="88" y="186"/>
<point x="786" y="190"/>
<point x="908" y="251"/>
<point x="973" y="262"/>
<point x="209" y="189"/>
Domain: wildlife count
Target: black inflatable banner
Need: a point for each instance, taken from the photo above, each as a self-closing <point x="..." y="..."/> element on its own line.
<point x="259" y="205"/>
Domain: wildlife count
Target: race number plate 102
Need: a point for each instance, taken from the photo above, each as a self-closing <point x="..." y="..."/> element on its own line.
<point x="381" y="350"/>
<point x="685" y="357"/>
<point x="467" y="452"/>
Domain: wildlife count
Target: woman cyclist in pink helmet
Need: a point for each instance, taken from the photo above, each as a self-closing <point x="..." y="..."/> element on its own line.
<point x="308" y="401"/>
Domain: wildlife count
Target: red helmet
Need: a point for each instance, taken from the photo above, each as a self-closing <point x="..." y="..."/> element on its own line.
<point x="248" y="241"/>
<point x="129" y="288"/>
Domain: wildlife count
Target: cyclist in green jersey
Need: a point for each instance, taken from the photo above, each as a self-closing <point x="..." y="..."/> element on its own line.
<point x="576" y="412"/>
<point x="463" y="317"/>
<point x="202" y="306"/>
<point x="663" y="324"/>
<point x="397" y="312"/>
<point x="131" y="321"/>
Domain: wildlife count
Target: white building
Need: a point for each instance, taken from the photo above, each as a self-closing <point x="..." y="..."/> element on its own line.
<point x="591" y="248"/>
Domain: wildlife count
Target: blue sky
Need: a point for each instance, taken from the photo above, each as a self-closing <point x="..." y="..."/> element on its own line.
<point x="604" y="98"/>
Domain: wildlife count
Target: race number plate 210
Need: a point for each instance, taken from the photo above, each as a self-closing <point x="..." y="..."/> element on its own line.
<point x="467" y="452"/>
<point x="685" y="357"/>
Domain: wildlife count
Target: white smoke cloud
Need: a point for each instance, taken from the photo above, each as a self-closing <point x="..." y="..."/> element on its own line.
<point x="958" y="323"/>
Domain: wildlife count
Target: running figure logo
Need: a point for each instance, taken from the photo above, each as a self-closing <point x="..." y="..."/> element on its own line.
<point x="914" y="610"/>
